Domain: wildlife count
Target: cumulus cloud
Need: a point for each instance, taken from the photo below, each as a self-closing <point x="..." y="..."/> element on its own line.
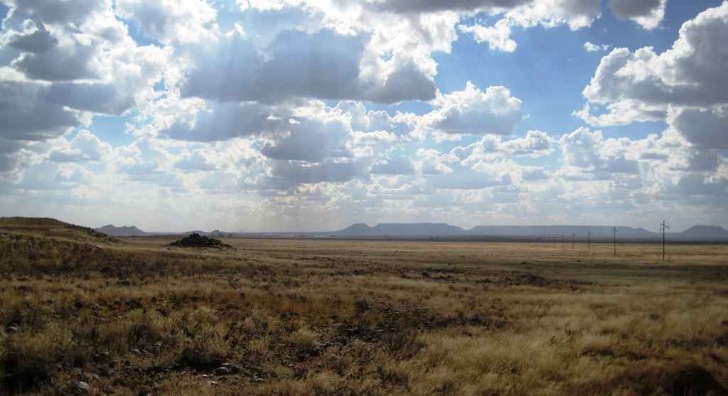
<point x="705" y="128"/>
<point x="497" y="36"/>
<point x="691" y="73"/>
<point x="646" y="13"/>
<point x="394" y="166"/>
<point x="196" y="160"/>
<point x="85" y="146"/>
<point x="283" y="112"/>
<point x="93" y="97"/>
<point x="59" y="63"/>
<point x="472" y="111"/>
<point x="169" y="21"/>
<point x="591" y="47"/>
<point x="323" y="65"/>
<point x="220" y="121"/>
<point x="53" y="12"/>
<point x="492" y="149"/>
<point x="409" y="6"/>
<point x="591" y="153"/>
<point x="311" y="140"/>
<point x="577" y="14"/>
<point x="71" y="59"/>
<point x="467" y="180"/>
<point x="287" y="174"/>
<point x="432" y="162"/>
<point x="535" y="144"/>
<point x="27" y="114"/>
<point x="34" y="39"/>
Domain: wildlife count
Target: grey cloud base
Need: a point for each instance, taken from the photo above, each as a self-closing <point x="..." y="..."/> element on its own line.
<point x="324" y="65"/>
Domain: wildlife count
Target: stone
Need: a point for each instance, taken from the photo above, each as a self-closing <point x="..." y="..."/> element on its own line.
<point x="82" y="388"/>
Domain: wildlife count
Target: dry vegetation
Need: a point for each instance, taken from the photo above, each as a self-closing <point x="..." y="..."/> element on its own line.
<point x="82" y="313"/>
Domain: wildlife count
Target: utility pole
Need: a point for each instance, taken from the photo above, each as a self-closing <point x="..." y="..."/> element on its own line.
<point x="663" y="227"/>
<point x="588" y="240"/>
<point x="614" y="233"/>
<point x="573" y="239"/>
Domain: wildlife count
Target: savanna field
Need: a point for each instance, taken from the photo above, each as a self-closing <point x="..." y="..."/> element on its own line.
<point x="83" y="313"/>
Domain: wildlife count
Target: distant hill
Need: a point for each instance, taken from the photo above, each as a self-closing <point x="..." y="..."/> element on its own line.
<point x="521" y="232"/>
<point x="400" y="230"/>
<point x="51" y="228"/>
<point x="557" y="230"/>
<point x="705" y="230"/>
<point x="124" y="231"/>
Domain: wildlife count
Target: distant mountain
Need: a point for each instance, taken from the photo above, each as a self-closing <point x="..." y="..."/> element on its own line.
<point x="358" y="229"/>
<point x="121" y="231"/>
<point x="558" y="230"/>
<point x="400" y="230"/>
<point x="430" y="230"/>
<point x="698" y="233"/>
<point x="705" y="231"/>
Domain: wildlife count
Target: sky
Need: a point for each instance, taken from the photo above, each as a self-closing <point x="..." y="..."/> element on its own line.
<point x="294" y="115"/>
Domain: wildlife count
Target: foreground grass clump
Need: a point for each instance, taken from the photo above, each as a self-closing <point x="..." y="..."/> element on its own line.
<point x="337" y="317"/>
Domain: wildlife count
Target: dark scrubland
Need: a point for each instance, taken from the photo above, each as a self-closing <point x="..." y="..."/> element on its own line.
<point x="82" y="313"/>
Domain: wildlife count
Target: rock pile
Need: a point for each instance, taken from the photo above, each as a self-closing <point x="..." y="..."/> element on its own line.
<point x="199" y="241"/>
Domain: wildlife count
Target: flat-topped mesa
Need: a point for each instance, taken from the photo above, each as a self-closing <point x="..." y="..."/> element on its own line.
<point x="705" y="230"/>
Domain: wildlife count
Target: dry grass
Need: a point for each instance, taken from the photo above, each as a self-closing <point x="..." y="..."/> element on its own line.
<point x="344" y="317"/>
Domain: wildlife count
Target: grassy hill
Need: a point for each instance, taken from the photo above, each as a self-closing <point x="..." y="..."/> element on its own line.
<point x="51" y="228"/>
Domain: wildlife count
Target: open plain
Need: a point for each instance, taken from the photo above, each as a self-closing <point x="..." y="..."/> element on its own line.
<point x="84" y="313"/>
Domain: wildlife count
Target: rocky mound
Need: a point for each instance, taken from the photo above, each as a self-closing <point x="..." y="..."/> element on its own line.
<point x="199" y="241"/>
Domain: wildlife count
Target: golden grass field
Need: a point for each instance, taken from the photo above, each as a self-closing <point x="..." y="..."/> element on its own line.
<point x="82" y="313"/>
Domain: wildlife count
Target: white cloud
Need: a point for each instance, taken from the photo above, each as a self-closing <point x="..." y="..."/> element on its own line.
<point x="432" y="162"/>
<point x="591" y="47"/>
<point x="72" y="59"/>
<point x="287" y="174"/>
<point x="497" y="36"/>
<point x="311" y="140"/>
<point x="220" y="121"/>
<point x="27" y="114"/>
<point x="394" y="166"/>
<point x="323" y="64"/>
<point x="85" y="146"/>
<point x="169" y="21"/>
<point x="247" y="120"/>
<point x="417" y="6"/>
<point x="472" y="111"/>
<point x="704" y="128"/>
<point x="591" y="153"/>
<point x="691" y="73"/>
<point x="646" y="13"/>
